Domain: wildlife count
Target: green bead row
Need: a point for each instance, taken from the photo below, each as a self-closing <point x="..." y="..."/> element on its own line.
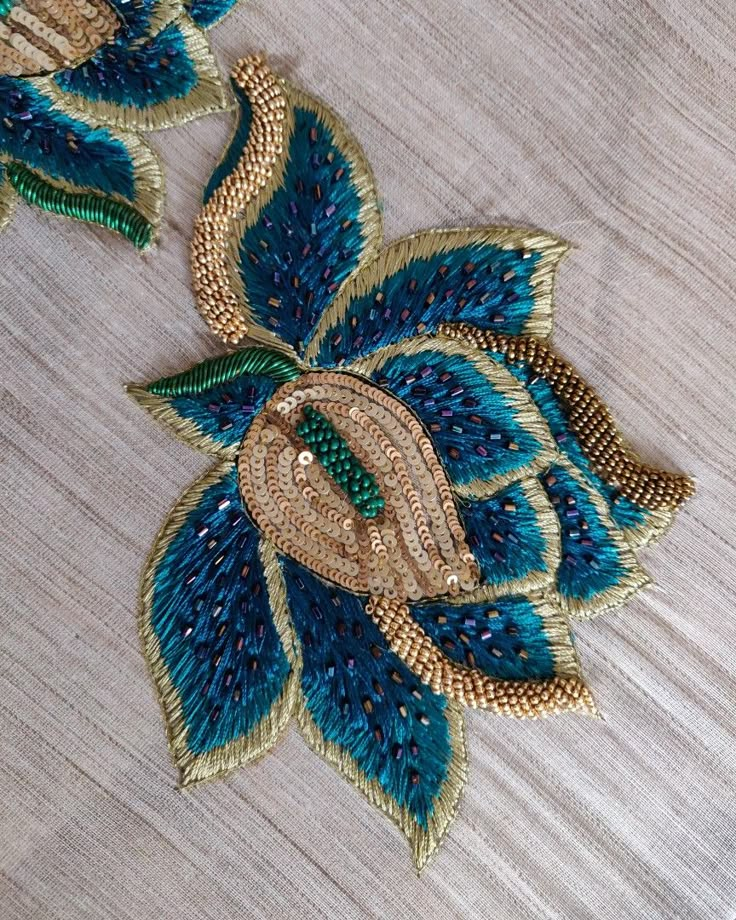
<point x="340" y="463"/>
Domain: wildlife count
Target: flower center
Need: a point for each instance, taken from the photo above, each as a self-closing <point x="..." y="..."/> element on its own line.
<point x="340" y="462"/>
<point x="375" y="513"/>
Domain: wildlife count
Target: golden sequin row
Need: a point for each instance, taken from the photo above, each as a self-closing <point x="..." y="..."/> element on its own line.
<point x="217" y="301"/>
<point x="415" y="548"/>
<point x="41" y="36"/>
<point x="588" y="417"/>
<point x="467" y="686"/>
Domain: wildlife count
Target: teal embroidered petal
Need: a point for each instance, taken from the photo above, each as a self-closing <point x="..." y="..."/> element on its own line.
<point x="61" y="163"/>
<point x="212" y="405"/>
<point x="367" y="713"/>
<point x="638" y="524"/>
<point x="206" y="13"/>
<point x="514" y="536"/>
<point x="597" y="569"/>
<point x="482" y="423"/>
<point x="56" y="145"/>
<point x="314" y="222"/>
<point x="512" y="638"/>
<point x="165" y="80"/>
<point x="309" y="238"/>
<point x="494" y="278"/>
<point x="216" y="632"/>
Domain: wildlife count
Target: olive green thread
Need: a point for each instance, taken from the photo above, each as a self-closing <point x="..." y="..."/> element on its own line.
<point x="86" y="206"/>
<point x="278" y="366"/>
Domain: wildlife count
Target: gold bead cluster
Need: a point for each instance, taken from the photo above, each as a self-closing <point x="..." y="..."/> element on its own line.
<point x="588" y="417"/>
<point x="414" y="548"/>
<point x="467" y="686"/>
<point x="217" y="300"/>
<point x="41" y="36"/>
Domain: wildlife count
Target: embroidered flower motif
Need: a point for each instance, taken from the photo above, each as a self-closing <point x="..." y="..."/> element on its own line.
<point x="79" y="81"/>
<point x="413" y="498"/>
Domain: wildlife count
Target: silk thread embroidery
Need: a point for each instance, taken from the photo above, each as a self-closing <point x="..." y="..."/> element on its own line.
<point x="80" y="81"/>
<point x="414" y="497"/>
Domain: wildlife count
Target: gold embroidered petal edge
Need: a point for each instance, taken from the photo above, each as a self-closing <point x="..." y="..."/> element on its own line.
<point x="423" y="842"/>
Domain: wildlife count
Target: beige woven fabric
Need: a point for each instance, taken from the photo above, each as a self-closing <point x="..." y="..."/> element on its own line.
<point x="609" y="123"/>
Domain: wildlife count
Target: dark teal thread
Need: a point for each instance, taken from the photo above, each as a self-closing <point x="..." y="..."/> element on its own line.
<point x="340" y="462"/>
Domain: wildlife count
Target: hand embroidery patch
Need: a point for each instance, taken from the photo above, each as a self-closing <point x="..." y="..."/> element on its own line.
<point x="413" y="495"/>
<point x="79" y="81"/>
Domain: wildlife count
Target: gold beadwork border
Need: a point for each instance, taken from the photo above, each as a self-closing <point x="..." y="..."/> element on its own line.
<point x="207" y="96"/>
<point x="196" y="768"/>
<point x="183" y="429"/>
<point x="427" y="243"/>
<point x="470" y="686"/>
<point x="539" y="579"/>
<point x="215" y="282"/>
<point x="635" y="579"/>
<point x="502" y="380"/>
<point x="589" y="418"/>
<point x="423" y="842"/>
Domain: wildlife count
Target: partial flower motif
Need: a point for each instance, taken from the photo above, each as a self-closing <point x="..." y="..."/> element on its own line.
<point x="80" y="81"/>
<point x="413" y="495"/>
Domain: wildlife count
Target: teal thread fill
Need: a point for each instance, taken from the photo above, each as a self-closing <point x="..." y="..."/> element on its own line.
<point x="307" y="240"/>
<point x="37" y="134"/>
<point x="135" y="75"/>
<point x="213" y="621"/>
<point x="356" y="690"/>
<point x="481" y="437"/>
<point x="591" y="562"/>
<point x="503" y="534"/>
<point x="504" y="639"/>
<point x="465" y="284"/>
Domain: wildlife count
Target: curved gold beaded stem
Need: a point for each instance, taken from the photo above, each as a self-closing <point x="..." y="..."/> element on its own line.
<point x="589" y="419"/>
<point x="213" y="280"/>
<point x="470" y="687"/>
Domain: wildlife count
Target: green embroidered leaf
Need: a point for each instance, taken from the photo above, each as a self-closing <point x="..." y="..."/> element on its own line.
<point x="63" y="163"/>
<point x="212" y="405"/>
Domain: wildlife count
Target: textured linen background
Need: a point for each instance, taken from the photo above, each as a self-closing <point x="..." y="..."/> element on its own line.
<point x="611" y="124"/>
